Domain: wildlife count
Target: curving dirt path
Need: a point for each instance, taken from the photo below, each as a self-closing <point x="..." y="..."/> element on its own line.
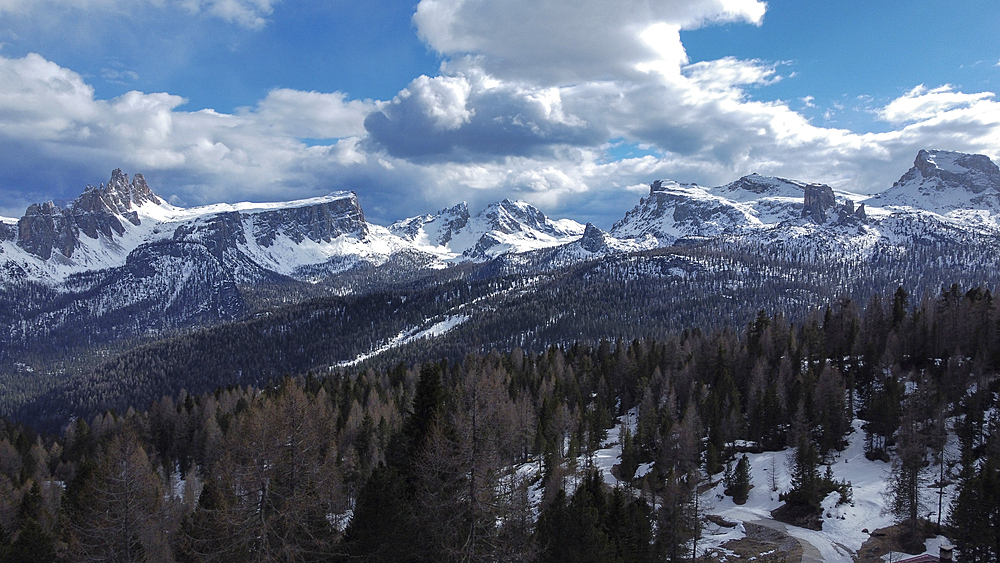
<point x="810" y="553"/>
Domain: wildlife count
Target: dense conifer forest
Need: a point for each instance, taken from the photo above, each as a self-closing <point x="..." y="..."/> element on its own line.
<point x="488" y="457"/>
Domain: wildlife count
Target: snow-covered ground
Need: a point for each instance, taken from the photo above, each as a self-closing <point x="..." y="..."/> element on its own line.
<point x="844" y="526"/>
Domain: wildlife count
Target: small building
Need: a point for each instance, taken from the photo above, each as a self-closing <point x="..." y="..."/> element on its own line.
<point x="945" y="555"/>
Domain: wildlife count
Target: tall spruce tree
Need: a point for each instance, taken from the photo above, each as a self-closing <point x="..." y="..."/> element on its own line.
<point x="739" y="483"/>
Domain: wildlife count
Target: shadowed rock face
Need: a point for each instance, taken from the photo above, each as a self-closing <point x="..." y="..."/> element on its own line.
<point x="818" y="200"/>
<point x="47" y="227"/>
<point x="685" y="205"/>
<point x="40" y="228"/>
<point x="100" y="211"/>
<point x="7" y="232"/>
<point x="593" y="239"/>
<point x="452" y="220"/>
<point x="322" y="222"/>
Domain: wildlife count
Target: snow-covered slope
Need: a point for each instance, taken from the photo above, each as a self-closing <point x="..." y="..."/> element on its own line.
<point x="433" y="230"/>
<point x="946" y="183"/>
<point x="673" y="211"/>
<point x="845" y="527"/>
<point x="946" y="198"/>
<point x="504" y="227"/>
<point x="101" y="228"/>
<point x="123" y="261"/>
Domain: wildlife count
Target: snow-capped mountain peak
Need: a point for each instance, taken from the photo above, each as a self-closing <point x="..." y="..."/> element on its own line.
<point x="118" y="247"/>
<point x="433" y="229"/>
<point x="513" y="226"/>
<point x="105" y="224"/>
<point x="674" y="210"/>
<point x="502" y="227"/>
<point x="101" y="214"/>
<point x="754" y="186"/>
<point x="119" y="195"/>
<point x="974" y="172"/>
<point x="511" y="216"/>
<point x="944" y="182"/>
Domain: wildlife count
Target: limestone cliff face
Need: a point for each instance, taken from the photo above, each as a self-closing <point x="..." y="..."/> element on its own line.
<point x="593" y="239"/>
<point x="43" y="228"/>
<point x="7" y="232"/>
<point x="974" y="172"/>
<point x="673" y="211"/>
<point x="225" y="233"/>
<point x="321" y="222"/>
<point x="945" y="181"/>
<point x="46" y="227"/>
<point x="818" y="201"/>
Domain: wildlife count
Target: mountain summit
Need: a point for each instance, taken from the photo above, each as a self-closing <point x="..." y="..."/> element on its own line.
<point x="946" y="181"/>
<point x="503" y="227"/>
<point x="98" y="212"/>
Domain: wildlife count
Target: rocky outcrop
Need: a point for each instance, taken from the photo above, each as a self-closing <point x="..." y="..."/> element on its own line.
<point x="321" y="222"/>
<point x="818" y="201"/>
<point x="593" y="239"/>
<point x="483" y="245"/>
<point x="440" y="227"/>
<point x="41" y="228"/>
<point x="98" y="211"/>
<point x="945" y="181"/>
<point x="513" y="216"/>
<point x="218" y="233"/>
<point x="673" y="211"/>
<point x="759" y="186"/>
<point x="847" y="214"/>
<point x="119" y="196"/>
<point x="455" y="218"/>
<point x="7" y="232"/>
<point x="973" y="172"/>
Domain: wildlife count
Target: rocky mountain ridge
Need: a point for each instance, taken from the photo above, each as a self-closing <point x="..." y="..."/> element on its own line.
<point x="945" y="182"/>
<point x="120" y="248"/>
<point x="309" y="238"/>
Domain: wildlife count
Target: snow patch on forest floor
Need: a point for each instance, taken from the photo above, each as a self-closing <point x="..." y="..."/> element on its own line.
<point x="844" y="526"/>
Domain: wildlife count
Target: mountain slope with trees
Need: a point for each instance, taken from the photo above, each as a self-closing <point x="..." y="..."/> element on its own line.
<point x="472" y="458"/>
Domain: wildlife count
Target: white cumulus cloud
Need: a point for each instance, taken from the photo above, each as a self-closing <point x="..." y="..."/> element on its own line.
<point x="529" y="98"/>
<point x="922" y="103"/>
<point x="561" y="41"/>
<point x="51" y="119"/>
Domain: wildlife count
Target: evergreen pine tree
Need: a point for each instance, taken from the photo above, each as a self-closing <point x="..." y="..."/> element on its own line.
<point x="975" y="515"/>
<point x="805" y="489"/>
<point x="738" y="484"/>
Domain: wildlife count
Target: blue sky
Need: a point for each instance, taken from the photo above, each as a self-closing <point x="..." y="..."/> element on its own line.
<point x="572" y="105"/>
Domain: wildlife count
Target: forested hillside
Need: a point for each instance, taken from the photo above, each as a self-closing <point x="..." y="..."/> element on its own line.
<point x="722" y="284"/>
<point x="487" y="458"/>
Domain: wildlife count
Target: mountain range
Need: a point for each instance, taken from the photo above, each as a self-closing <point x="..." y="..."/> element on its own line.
<point x="123" y="222"/>
<point x="119" y="247"/>
<point x="119" y="266"/>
